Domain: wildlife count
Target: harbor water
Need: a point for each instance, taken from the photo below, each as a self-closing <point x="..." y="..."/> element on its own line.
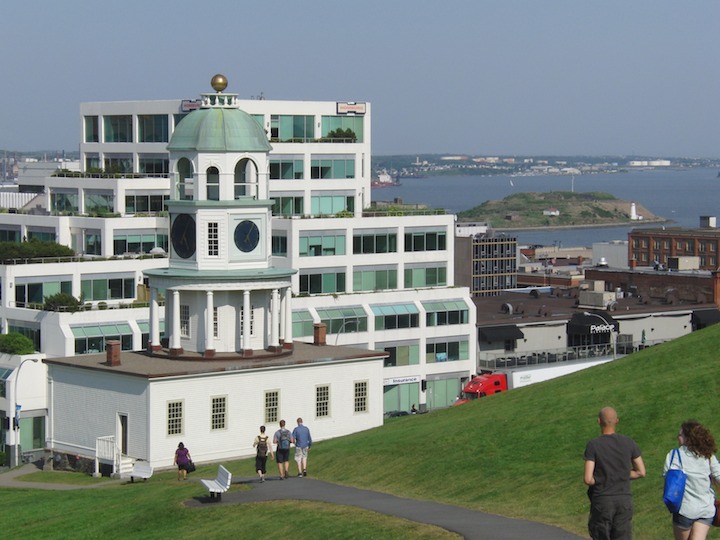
<point x="679" y="195"/>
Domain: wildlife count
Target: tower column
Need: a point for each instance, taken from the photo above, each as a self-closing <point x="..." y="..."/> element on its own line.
<point x="287" y="318"/>
<point x="274" y="320"/>
<point x="175" y="347"/>
<point x="246" y="322"/>
<point x="209" y="326"/>
<point x="154" y="320"/>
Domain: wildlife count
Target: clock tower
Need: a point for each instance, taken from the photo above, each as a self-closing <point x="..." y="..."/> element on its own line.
<point x="222" y="296"/>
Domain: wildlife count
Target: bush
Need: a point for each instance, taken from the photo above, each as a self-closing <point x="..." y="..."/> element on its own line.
<point x="15" y="343"/>
<point x="62" y="302"/>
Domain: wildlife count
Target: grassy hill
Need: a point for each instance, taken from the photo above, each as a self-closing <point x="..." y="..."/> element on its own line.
<point x="589" y="208"/>
<point x="520" y="453"/>
<point x="516" y="454"/>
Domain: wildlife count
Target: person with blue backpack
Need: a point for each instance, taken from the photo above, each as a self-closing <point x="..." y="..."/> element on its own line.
<point x="282" y="440"/>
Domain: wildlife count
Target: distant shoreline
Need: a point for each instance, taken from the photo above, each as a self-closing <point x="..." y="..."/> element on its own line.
<point x="586" y="226"/>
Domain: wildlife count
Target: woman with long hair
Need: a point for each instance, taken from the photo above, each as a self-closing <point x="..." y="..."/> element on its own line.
<point x="697" y="453"/>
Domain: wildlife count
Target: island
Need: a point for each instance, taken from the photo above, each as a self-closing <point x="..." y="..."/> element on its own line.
<point x="558" y="209"/>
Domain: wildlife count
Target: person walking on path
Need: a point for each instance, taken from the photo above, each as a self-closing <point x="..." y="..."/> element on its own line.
<point x="303" y="441"/>
<point x="182" y="459"/>
<point x="282" y="440"/>
<point x="262" y="444"/>
<point x="697" y="454"/>
<point x="611" y="461"/>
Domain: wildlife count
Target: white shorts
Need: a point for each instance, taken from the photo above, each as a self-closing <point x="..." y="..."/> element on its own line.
<point x="301" y="453"/>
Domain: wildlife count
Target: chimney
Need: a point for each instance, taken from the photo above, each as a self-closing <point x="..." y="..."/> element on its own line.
<point x="112" y="350"/>
<point x="319" y="334"/>
<point x="633" y="264"/>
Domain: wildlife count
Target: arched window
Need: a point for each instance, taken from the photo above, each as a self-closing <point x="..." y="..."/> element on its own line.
<point x="213" y="184"/>
<point x="186" y="184"/>
<point x="245" y="179"/>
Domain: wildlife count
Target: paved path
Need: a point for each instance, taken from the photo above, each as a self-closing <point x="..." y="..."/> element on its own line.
<point x="471" y="524"/>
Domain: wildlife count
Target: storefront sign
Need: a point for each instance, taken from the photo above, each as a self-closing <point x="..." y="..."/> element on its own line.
<point x="351" y="108"/>
<point x="401" y="380"/>
<point x="601" y="328"/>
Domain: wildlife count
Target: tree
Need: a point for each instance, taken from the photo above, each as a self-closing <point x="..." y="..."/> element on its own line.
<point x="340" y="133"/>
<point x="16" y="343"/>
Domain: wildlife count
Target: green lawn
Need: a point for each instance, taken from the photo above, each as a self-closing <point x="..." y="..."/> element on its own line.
<point x="517" y="454"/>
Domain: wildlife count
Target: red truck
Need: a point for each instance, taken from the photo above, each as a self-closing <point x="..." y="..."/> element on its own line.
<point x="483" y="385"/>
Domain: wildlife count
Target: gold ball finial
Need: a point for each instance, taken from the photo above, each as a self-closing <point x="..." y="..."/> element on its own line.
<point x="219" y="82"/>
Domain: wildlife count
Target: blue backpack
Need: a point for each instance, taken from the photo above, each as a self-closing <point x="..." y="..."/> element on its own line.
<point x="284" y="441"/>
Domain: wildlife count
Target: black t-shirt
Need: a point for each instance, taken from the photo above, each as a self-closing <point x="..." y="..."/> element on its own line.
<point x="613" y="456"/>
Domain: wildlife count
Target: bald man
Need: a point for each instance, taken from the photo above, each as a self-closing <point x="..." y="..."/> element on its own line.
<point x="611" y="461"/>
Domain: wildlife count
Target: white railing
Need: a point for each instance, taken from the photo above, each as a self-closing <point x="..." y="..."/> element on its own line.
<point x="106" y="449"/>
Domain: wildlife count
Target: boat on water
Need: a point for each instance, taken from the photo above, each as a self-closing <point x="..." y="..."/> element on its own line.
<point x="385" y="179"/>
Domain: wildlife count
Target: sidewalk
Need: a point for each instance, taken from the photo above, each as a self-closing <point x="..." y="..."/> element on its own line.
<point x="471" y="524"/>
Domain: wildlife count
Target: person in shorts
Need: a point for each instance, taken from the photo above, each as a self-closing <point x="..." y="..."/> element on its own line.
<point x="303" y="441"/>
<point x="282" y="441"/>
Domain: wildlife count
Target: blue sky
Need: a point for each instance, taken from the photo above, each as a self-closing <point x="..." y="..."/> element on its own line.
<point x="480" y="77"/>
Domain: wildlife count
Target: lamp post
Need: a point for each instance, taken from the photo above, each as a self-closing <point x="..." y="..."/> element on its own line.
<point x="342" y="327"/>
<point x="612" y="330"/>
<point x="17" y="409"/>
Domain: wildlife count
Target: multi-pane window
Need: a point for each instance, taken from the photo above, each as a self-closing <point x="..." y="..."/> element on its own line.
<point x="153" y="128"/>
<point x="175" y="418"/>
<point x="118" y="164"/>
<point x="118" y="128"/>
<point x="279" y="244"/>
<point x="27" y="329"/>
<point x="289" y="128"/>
<point x="431" y="276"/>
<point x="344" y="320"/>
<point x="322" y="401"/>
<point x="286" y="169"/>
<point x="332" y="168"/>
<point x="139" y="204"/>
<point x="324" y="205"/>
<point x="374" y="242"/>
<point x="154" y="166"/>
<point x="302" y="323"/>
<point x="64" y="201"/>
<point x="213" y="237"/>
<point x="139" y="243"/>
<point x="215" y="322"/>
<point x="322" y="245"/>
<point x="272" y="401"/>
<point x="325" y="281"/>
<point x="184" y="320"/>
<point x="286" y="205"/>
<point x="218" y="414"/>
<point x="446" y="351"/>
<point x="93" y="339"/>
<point x="43" y="235"/>
<point x="107" y="289"/>
<point x="352" y="123"/>
<point x="213" y="184"/>
<point x="99" y="203"/>
<point x="35" y="293"/>
<point x="402" y="355"/>
<point x="445" y="313"/>
<point x="374" y="279"/>
<point x="425" y="241"/>
<point x="396" y="316"/>
<point x="92" y="131"/>
<point x="252" y="321"/>
<point x="93" y="243"/>
<point x="361" y="396"/>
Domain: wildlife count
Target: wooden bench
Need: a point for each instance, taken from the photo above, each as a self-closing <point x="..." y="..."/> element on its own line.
<point x="220" y="484"/>
<point x="141" y="469"/>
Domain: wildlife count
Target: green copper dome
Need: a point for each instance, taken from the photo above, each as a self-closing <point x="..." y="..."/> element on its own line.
<point x="219" y="130"/>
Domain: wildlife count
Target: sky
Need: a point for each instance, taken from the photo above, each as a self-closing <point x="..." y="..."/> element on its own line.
<point x="470" y="77"/>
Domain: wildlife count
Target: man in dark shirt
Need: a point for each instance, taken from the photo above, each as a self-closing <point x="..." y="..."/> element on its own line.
<point x="611" y="461"/>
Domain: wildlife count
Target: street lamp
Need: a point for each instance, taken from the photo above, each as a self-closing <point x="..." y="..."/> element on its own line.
<point x="612" y="330"/>
<point x="17" y="409"/>
<point x="342" y="327"/>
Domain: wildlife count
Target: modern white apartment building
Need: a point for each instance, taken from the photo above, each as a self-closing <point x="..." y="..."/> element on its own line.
<point x="378" y="281"/>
